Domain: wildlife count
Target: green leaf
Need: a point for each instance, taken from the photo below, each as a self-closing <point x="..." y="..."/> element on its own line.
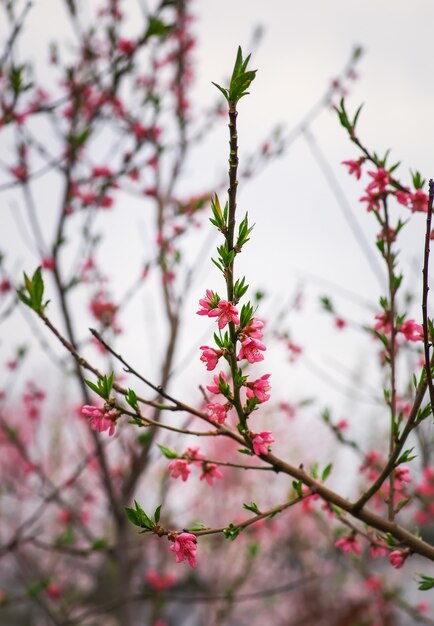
<point x="406" y="457"/>
<point x="402" y="504"/>
<point x="157" y="27"/>
<point x="157" y="514"/>
<point x="356" y="116"/>
<point x="425" y="582"/>
<point x="245" y="451"/>
<point x="224" y="91"/>
<point x="93" y="386"/>
<point x="35" y="291"/>
<point x="138" y="517"/>
<point x="298" y="487"/>
<point x="38" y="289"/>
<point x="326" y="304"/>
<point x="131" y="398"/>
<point x="253" y="507"/>
<point x="326" y="472"/>
<point x="169" y="454"/>
<point x="100" y="544"/>
<point x="231" y="532"/>
<point x="144" y="438"/>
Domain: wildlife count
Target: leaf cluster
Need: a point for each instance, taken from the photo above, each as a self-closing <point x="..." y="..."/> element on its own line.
<point x="32" y="292"/>
<point x="240" y="80"/>
<point x="102" y="387"/>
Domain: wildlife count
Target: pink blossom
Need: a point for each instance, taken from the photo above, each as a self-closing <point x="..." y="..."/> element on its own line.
<point x="403" y="197"/>
<point x="261" y="441"/>
<point x="215" y="388"/>
<point x="422" y="607"/>
<point x="210" y="357"/>
<point x="411" y="330"/>
<point x="216" y="412"/>
<point x="354" y="167"/>
<point x="126" y="46"/>
<point x="397" y="558"/>
<point x="378" y="550"/>
<point x="139" y="131"/>
<point x="340" y="323"/>
<point x="185" y="548"/>
<point x="179" y="467"/>
<point x="100" y="420"/>
<point x="48" y="263"/>
<point x="159" y="582"/>
<point x="402" y="474"/>
<point x="193" y="455"/>
<point x="374" y="583"/>
<point x="372" y="200"/>
<point x="387" y="233"/>
<point x="103" y="309"/>
<point x="349" y="544"/>
<point x="226" y="313"/>
<point x="419" y="201"/>
<point x="101" y="171"/>
<point x="288" y="408"/>
<point x="168" y="277"/>
<point x="210" y="471"/>
<point x="5" y="285"/>
<point x="20" y="172"/>
<point x="53" y="591"/>
<point x="295" y="351"/>
<point x="250" y="350"/>
<point x="383" y="324"/>
<point x="342" y="424"/>
<point x="380" y="180"/>
<point x="209" y="304"/>
<point x="254" y="329"/>
<point x="258" y="388"/>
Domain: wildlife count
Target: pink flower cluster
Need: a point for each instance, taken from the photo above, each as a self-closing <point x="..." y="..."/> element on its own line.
<point x="417" y="201"/>
<point x="212" y="306"/>
<point x="217" y="412"/>
<point x="181" y="467"/>
<point x="101" y="419"/>
<point x="261" y="442"/>
<point x="258" y="389"/>
<point x="185" y="548"/>
<point x="349" y="544"/>
<point x="411" y="330"/>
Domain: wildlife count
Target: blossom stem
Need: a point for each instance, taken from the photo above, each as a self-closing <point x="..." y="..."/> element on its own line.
<point x="229" y="273"/>
<point x="389" y="257"/>
<point x="426" y="333"/>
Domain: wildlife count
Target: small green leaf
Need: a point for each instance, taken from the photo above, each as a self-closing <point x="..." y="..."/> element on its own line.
<point x="425" y="582"/>
<point x="138" y="517"/>
<point x="326" y="472"/>
<point x="298" y="487"/>
<point x="245" y="451"/>
<point x="93" y="386"/>
<point x="131" y="398"/>
<point x="157" y="27"/>
<point x="169" y="454"/>
<point x="157" y="514"/>
<point x="231" y="532"/>
<point x="100" y="544"/>
<point x="253" y="507"/>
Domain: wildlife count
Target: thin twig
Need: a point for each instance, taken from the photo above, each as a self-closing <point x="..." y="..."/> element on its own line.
<point x="426" y="334"/>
